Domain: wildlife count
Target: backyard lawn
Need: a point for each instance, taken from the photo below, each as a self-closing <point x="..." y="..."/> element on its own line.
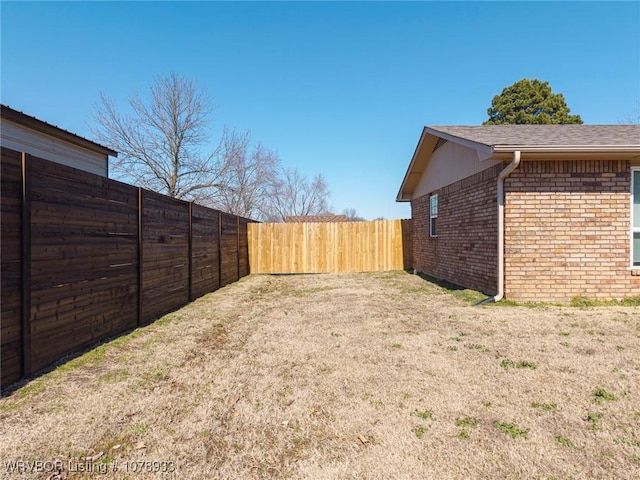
<point x="337" y="376"/>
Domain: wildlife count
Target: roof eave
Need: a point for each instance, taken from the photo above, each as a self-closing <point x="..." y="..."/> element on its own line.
<point x="483" y="148"/>
<point x="484" y="152"/>
<point x="502" y="152"/>
<point x="401" y="195"/>
<point x="20" y="118"/>
<point x="567" y="148"/>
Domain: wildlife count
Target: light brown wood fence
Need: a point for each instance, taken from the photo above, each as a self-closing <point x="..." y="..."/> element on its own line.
<point x="329" y="247"/>
<point x="85" y="258"/>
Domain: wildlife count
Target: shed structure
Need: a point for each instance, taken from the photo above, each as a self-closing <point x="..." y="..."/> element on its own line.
<point x="24" y="133"/>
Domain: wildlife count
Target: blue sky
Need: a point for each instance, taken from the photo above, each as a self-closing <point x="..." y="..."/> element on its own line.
<point x="339" y="88"/>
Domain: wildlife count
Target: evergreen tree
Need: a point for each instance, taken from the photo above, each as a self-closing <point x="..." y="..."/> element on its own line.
<point x="529" y="102"/>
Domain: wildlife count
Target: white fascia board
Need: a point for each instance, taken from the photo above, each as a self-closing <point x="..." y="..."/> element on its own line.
<point x="567" y="148"/>
<point x="483" y="156"/>
<point x="401" y="196"/>
<point x="482" y="148"/>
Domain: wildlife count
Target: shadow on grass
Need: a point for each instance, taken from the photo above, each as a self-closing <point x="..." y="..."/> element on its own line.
<point x="583" y="302"/>
<point x="473" y="297"/>
<point x="465" y="294"/>
<point x="91" y="354"/>
<point x="88" y="355"/>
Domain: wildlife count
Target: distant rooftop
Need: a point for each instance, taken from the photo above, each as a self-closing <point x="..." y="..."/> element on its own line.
<point x="315" y="218"/>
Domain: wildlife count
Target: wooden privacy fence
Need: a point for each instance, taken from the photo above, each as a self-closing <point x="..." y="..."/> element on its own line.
<point x="330" y="247"/>
<point x="85" y="258"/>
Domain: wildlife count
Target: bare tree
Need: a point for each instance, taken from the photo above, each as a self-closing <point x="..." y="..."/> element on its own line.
<point x="634" y="117"/>
<point x="248" y="173"/>
<point x="352" y="215"/>
<point x="160" y="142"/>
<point x="294" y="194"/>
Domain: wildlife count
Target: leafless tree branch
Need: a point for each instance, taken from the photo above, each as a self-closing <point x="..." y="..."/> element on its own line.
<point x="294" y="194"/>
<point x="160" y="141"/>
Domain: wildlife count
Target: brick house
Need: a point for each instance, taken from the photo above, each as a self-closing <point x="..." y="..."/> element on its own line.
<point x="528" y="212"/>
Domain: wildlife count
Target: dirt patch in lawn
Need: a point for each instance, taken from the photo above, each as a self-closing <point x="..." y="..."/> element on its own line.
<point x="340" y="376"/>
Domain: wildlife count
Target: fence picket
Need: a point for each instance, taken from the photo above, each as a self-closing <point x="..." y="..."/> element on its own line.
<point x="380" y="245"/>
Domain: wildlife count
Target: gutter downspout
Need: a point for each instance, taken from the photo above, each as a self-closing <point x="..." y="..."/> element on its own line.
<point x="503" y="174"/>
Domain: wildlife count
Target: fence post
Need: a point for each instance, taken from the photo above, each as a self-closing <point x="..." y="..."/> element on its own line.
<point x="238" y="245"/>
<point x="140" y="251"/>
<point x="219" y="249"/>
<point x="26" y="265"/>
<point x="190" y="251"/>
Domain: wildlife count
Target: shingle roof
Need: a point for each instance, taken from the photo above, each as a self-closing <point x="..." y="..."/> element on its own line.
<point x="549" y="135"/>
<point x="498" y="142"/>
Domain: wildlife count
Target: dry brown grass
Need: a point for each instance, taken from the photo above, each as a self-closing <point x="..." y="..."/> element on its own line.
<point x="365" y="376"/>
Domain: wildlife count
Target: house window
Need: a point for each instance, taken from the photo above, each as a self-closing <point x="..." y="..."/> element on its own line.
<point x="635" y="218"/>
<point x="433" y="215"/>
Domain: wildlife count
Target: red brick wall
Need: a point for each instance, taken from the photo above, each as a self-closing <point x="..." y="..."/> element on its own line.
<point x="465" y="250"/>
<point x="567" y="231"/>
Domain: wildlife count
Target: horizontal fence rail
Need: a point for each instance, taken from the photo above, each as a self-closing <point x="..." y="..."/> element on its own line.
<point x="380" y="245"/>
<point x="85" y="258"/>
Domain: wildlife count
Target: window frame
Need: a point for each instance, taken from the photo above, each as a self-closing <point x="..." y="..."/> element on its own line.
<point x="433" y="217"/>
<point x="633" y="228"/>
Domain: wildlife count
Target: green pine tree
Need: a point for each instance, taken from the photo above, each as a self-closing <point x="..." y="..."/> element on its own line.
<point x="529" y="102"/>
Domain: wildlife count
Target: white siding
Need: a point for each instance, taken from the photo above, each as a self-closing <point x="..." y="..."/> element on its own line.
<point x="23" y="139"/>
<point x="449" y="164"/>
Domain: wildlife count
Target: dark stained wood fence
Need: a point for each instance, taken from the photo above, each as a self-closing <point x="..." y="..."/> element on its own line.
<point x="83" y="266"/>
<point x="10" y="270"/>
<point x="229" y="243"/>
<point x="165" y="254"/>
<point x="85" y="258"/>
<point x="205" y="244"/>
<point x="243" y="247"/>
